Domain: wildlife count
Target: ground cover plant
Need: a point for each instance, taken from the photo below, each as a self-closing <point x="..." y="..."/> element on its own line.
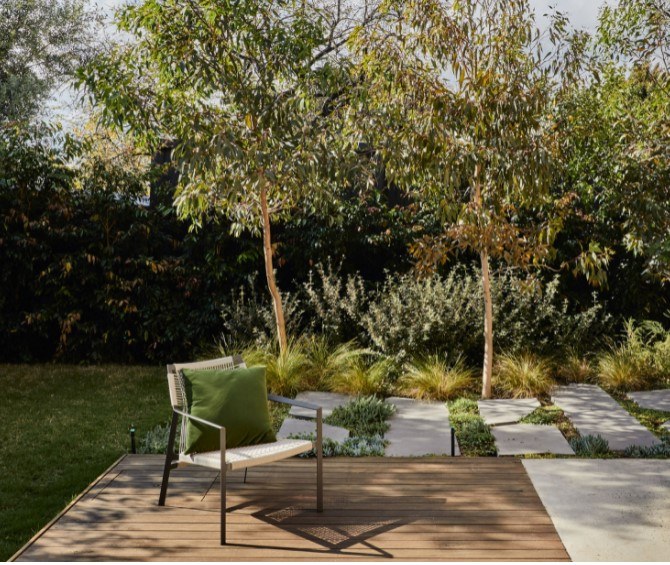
<point x="651" y="419"/>
<point x="552" y="415"/>
<point x="366" y="419"/>
<point x="474" y="436"/>
<point x="364" y="416"/>
<point x="591" y="446"/>
<point x="62" y="426"/>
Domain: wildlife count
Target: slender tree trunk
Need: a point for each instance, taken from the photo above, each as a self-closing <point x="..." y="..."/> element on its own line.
<point x="487" y="369"/>
<point x="488" y="327"/>
<point x="269" y="270"/>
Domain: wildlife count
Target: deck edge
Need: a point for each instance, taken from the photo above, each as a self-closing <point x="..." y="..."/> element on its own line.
<point x="65" y="510"/>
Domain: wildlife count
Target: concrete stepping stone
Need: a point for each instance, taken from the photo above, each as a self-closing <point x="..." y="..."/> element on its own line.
<point x="654" y="399"/>
<point x="666" y="426"/>
<point x="594" y="412"/>
<point x="327" y="400"/>
<point x="293" y="426"/>
<point x="506" y="411"/>
<point x="527" y="439"/>
<point x="418" y="428"/>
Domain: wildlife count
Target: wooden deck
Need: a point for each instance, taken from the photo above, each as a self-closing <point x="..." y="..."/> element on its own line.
<point x="410" y="509"/>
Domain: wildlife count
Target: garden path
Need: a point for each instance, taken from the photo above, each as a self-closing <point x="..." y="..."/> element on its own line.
<point x="594" y="412"/>
<point x="506" y="410"/>
<point x="527" y="439"/>
<point x="419" y="428"/>
<point x="327" y="400"/>
<point x="521" y="439"/>
<point x="654" y="399"/>
<point x="294" y="427"/>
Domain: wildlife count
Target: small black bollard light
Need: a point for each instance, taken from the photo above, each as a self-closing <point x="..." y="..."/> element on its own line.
<point x="453" y="442"/>
<point x="132" y="439"/>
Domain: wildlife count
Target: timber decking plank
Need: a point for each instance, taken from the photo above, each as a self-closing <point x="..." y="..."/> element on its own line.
<point x="410" y="509"/>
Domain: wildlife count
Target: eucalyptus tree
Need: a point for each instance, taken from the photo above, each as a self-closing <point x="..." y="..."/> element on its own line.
<point x="637" y="31"/>
<point x="41" y="43"/>
<point x="245" y="92"/>
<point x="457" y="105"/>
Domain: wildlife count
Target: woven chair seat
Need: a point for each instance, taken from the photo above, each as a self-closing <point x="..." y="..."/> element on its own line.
<point x="250" y="455"/>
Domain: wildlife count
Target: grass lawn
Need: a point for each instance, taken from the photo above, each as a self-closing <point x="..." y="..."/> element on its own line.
<point x="61" y="427"/>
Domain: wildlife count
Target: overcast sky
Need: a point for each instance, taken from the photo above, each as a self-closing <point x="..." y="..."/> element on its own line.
<point x="582" y="14"/>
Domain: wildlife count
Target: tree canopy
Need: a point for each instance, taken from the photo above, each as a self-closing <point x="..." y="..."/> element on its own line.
<point x="457" y="103"/>
<point x="41" y="43"/>
<point x="244" y="92"/>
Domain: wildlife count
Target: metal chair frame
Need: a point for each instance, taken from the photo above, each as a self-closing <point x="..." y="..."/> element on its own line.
<point x="180" y="410"/>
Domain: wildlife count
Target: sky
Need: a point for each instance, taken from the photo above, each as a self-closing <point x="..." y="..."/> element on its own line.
<point x="583" y="14"/>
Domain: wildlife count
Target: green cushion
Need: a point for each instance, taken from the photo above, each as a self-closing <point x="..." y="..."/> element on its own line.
<point x="235" y="399"/>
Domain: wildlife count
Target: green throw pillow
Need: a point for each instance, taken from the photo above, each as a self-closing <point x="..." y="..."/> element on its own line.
<point x="235" y="399"/>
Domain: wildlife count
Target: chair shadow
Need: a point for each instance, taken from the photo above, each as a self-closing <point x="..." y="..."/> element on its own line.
<point x="334" y="538"/>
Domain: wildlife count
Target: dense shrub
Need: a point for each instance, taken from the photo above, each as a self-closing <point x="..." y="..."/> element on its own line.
<point x="405" y="315"/>
<point x="89" y="274"/>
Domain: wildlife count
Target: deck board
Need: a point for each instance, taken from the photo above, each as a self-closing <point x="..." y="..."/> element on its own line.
<point x="375" y="509"/>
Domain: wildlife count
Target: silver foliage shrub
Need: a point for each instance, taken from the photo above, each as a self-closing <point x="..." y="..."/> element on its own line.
<point x="408" y="316"/>
<point x="405" y="316"/>
<point x="248" y="317"/>
<point x="334" y="305"/>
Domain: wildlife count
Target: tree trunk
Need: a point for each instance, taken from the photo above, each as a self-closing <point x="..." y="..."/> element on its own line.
<point x="487" y="370"/>
<point x="488" y="327"/>
<point x="269" y="270"/>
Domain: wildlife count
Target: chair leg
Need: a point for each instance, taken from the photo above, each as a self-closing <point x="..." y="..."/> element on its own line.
<point x="246" y="469"/>
<point x="168" y="459"/>
<point x="319" y="461"/>
<point x="223" y="486"/>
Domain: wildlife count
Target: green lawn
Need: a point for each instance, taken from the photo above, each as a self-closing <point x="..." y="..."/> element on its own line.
<point x="61" y="426"/>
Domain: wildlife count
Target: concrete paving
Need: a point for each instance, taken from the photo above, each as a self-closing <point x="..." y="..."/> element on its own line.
<point x="418" y="428"/>
<point x="666" y="426"/>
<point x="594" y="412"/>
<point x="527" y="439"/>
<point x="607" y="509"/>
<point x="654" y="399"/>
<point x="327" y="400"/>
<point x="506" y="411"/>
<point x="292" y="426"/>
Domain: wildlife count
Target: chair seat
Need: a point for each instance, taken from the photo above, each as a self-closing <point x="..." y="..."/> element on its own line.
<point x="250" y="455"/>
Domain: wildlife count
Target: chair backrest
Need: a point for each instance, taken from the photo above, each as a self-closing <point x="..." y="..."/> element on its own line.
<point x="176" y="382"/>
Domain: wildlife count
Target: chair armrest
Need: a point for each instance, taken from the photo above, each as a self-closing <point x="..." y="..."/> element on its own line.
<point x="200" y="420"/>
<point x="294" y="402"/>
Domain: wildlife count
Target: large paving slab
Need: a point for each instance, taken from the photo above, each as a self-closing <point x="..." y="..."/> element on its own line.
<point x="506" y="411"/>
<point x="594" y="412"/>
<point x="293" y="426"/>
<point x="327" y="400"/>
<point x="654" y="399"/>
<point x="418" y="428"/>
<point x="607" y="509"/>
<point x="527" y="439"/>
